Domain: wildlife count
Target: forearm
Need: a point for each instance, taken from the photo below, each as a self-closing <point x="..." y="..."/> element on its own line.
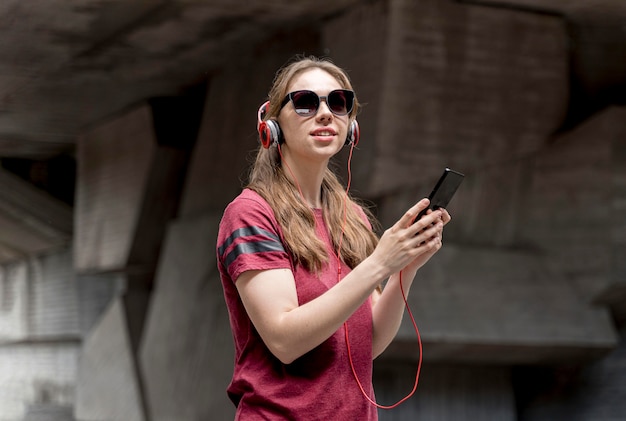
<point x="388" y="311"/>
<point x="306" y="326"/>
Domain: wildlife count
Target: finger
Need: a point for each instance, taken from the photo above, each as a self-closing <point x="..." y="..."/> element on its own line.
<point x="411" y="215"/>
<point x="445" y="216"/>
<point x="429" y="244"/>
<point x="431" y="217"/>
<point x="434" y="230"/>
<point x="429" y="233"/>
<point x="434" y="243"/>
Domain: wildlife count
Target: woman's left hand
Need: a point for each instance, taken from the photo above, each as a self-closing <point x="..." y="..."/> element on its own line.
<point x="434" y="243"/>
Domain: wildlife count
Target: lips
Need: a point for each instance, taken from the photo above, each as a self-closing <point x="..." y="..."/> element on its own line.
<point x="324" y="132"/>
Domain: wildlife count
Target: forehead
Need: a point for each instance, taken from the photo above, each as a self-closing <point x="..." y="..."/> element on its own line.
<point x="316" y="80"/>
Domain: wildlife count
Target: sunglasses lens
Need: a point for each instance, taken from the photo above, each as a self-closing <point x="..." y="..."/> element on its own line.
<point x="340" y="101"/>
<point x="305" y="103"/>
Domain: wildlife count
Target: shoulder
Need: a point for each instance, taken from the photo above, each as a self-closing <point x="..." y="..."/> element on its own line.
<point x="249" y="237"/>
<point x="248" y="206"/>
<point x="246" y="211"/>
<point x="247" y="200"/>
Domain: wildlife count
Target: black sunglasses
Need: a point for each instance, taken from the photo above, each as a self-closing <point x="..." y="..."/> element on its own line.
<point x="306" y="103"/>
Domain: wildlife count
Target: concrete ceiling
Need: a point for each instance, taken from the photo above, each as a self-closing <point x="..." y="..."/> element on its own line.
<point x="564" y="7"/>
<point x="67" y="64"/>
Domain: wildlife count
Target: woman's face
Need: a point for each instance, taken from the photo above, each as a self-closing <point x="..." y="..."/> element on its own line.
<point x="321" y="135"/>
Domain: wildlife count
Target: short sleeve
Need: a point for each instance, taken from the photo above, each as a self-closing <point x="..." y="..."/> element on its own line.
<point x="249" y="237"/>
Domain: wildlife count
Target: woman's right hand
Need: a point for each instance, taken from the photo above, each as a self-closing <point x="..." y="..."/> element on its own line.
<point x="408" y="239"/>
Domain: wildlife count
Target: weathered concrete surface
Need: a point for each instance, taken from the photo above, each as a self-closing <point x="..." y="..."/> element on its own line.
<point x="53" y="303"/>
<point x="14" y="323"/>
<point x="530" y="256"/>
<point x="31" y="221"/>
<point x="187" y="352"/>
<point x="494" y="119"/>
<point x="48" y="412"/>
<point x="614" y="294"/>
<point x="132" y="171"/>
<point x="352" y="43"/>
<point x="114" y="163"/>
<point x="95" y="294"/>
<point x="465" y="87"/>
<point x="66" y="66"/>
<point x="445" y="392"/>
<point x="108" y="386"/>
<point x="593" y="392"/>
<point x="36" y="372"/>
<point x="39" y="335"/>
<point x="572" y="199"/>
<point x="228" y="138"/>
<point x="495" y="306"/>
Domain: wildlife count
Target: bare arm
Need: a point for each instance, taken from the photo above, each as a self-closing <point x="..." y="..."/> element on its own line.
<point x="290" y="330"/>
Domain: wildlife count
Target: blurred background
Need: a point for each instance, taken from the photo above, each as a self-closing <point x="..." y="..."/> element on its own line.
<point x="127" y="126"/>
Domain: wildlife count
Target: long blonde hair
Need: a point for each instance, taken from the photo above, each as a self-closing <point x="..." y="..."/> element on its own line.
<point x="351" y="236"/>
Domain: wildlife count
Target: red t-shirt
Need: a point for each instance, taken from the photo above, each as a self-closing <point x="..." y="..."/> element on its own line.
<point x="320" y="384"/>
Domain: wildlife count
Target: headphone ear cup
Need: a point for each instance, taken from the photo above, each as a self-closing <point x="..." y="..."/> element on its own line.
<point x="354" y="133"/>
<point x="269" y="131"/>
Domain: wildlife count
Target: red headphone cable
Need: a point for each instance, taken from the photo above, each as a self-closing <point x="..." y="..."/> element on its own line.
<point x="406" y="304"/>
<point x="419" y="364"/>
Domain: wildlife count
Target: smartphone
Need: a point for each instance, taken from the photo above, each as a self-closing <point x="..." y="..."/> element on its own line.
<point x="445" y="188"/>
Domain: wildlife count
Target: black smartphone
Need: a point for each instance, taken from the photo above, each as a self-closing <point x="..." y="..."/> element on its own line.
<point x="445" y="188"/>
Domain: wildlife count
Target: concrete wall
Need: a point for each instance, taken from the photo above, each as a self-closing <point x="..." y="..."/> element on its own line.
<point x="132" y="170"/>
<point x="592" y="392"/>
<point x="445" y="392"/>
<point x="39" y="334"/>
<point x="530" y="274"/>
<point x="478" y="89"/>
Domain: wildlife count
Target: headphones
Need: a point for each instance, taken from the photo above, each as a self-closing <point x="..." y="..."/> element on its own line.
<point x="270" y="134"/>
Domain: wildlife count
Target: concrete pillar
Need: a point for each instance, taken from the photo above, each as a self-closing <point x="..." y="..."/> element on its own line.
<point x="131" y="170"/>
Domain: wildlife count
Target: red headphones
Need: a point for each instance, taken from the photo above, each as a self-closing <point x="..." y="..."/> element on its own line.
<point x="270" y="134"/>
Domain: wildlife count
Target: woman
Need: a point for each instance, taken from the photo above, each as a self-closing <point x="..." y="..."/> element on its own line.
<point x="300" y="264"/>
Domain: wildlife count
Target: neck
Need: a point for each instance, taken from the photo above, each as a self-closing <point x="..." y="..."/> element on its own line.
<point x="308" y="178"/>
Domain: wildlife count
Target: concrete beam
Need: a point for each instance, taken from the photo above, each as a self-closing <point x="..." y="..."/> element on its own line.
<point x="464" y="86"/>
<point x="495" y="306"/>
<point x="31" y="220"/>
<point x="131" y="171"/>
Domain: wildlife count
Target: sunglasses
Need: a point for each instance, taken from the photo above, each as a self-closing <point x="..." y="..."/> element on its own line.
<point x="306" y="103"/>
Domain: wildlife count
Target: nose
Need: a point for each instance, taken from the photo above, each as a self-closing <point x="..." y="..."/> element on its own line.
<point x="324" y="110"/>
